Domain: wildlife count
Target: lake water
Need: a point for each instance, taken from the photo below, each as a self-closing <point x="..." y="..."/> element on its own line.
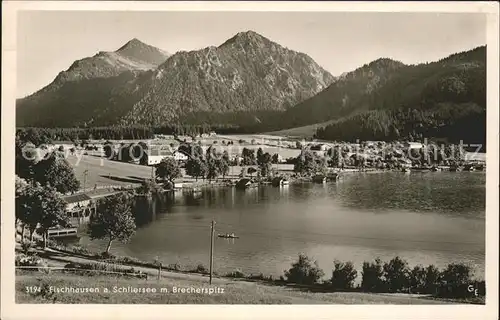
<point x="426" y="218"/>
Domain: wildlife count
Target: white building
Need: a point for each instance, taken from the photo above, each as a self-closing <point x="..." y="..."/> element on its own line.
<point x="155" y="156"/>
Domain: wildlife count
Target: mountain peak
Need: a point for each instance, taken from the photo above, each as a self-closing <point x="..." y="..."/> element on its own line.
<point x="133" y="43"/>
<point x="386" y="63"/>
<point x="246" y="37"/>
<point x="140" y="51"/>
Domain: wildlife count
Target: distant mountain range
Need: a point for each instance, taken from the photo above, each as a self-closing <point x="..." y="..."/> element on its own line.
<point x="258" y="85"/>
<point x="140" y="84"/>
<point x="389" y="100"/>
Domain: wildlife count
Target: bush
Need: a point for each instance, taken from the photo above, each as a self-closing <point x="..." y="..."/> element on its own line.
<point x="257" y="277"/>
<point x="455" y="280"/>
<point x="174" y="267"/>
<point x="26" y="246"/>
<point x="31" y="261"/>
<point x="397" y="275"/>
<point x="304" y="271"/>
<point x="81" y="250"/>
<point x="235" y="274"/>
<point x="200" y="268"/>
<point x="23" y="260"/>
<point x="372" y="273"/>
<point x="106" y="255"/>
<point x="343" y="275"/>
<point x="93" y="268"/>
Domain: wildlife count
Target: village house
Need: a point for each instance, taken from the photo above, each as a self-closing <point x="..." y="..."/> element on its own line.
<point x="154" y="156"/>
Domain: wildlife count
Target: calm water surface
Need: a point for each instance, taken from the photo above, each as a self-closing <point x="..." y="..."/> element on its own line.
<point x="426" y="218"/>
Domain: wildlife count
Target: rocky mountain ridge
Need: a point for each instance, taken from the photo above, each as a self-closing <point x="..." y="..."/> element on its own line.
<point x="246" y="74"/>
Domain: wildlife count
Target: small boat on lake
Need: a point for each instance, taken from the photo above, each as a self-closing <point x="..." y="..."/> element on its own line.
<point x="245" y="183"/>
<point x="319" y="178"/>
<point x="280" y="181"/>
<point x="334" y="176"/>
<point x="227" y="236"/>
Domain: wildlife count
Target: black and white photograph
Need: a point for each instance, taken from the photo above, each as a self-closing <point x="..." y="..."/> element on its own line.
<point x="251" y="157"/>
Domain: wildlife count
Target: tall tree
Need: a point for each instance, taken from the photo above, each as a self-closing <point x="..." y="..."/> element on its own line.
<point x="113" y="220"/>
<point x="214" y="168"/>
<point x="168" y="169"/>
<point x="196" y="167"/>
<point x="265" y="164"/>
<point x="248" y="156"/>
<point x="260" y="153"/>
<point x="58" y="173"/>
<point x="26" y="158"/>
<point x="223" y="167"/>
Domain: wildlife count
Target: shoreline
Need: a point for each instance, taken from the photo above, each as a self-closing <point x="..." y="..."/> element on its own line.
<point x="229" y="182"/>
<point x="62" y="260"/>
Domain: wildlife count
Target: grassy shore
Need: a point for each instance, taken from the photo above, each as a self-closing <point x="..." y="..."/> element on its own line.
<point x="238" y="289"/>
<point x="225" y="292"/>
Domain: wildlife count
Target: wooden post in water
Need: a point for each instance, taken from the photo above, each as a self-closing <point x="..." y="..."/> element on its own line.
<point x="212" y="230"/>
<point x="159" y="271"/>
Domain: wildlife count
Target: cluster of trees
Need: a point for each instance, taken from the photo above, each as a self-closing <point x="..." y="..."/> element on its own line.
<point x="392" y="276"/>
<point x="40" y="181"/>
<point x="262" y="160"/>
<point x="50" y="169"/>
<point x="48" y="135"/>
<point x="210" y="164"/>
<point x="308" y="163"/>
<point x="38" y="207"/>
<point x="431" y="154"/>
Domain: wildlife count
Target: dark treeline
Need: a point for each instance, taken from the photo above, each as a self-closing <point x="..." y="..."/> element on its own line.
<point x="466" y="122"/>
<point x="446" y="98"/>
<point x="48" y="135"/>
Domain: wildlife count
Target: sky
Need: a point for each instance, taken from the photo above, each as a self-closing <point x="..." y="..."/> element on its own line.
<point x="48" y="42"/>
